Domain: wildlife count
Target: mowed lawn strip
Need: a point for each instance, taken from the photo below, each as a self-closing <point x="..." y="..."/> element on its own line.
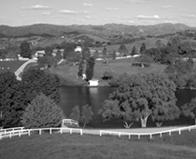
<point x="67" y="146"/>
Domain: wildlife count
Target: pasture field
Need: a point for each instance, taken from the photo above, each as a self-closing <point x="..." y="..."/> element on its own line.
<point x="57" y="146"/>
<point x="117" y="67"/>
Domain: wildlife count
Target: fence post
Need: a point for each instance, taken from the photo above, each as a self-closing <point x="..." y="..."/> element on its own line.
<point x="61" y="130"/>
<point x="50" y="131"/>
<point x="179" y="132"/>
<point x="100" y="133"/>
<point x="150" y="136"/>
<point x="160" y="134"/>
<point x="119" y="134"/>
<point x="70" y="131"/>
<point x="19" y="134"/>
<point x="10" y="134"/>
<point x="129" y="136"/>
<point x="138" y="136"/>
<point x="189" y="129"/>
<point x="29" y="132"/>
<point x="81" y="133"/>
<point x="169" y="133"/>
<point x="40" y="131"/>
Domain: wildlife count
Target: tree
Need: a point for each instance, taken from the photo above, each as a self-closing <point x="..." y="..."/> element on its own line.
<point x="38" y="81"/>
<point x="154" y="53"/>
<point x="104" y="52"/>
<point x="114" y="55"/>
<point x="86" y="115"/>
<point x="86" y="53"/>
<point x="133" y="51"/>
<point x="191" y="82"/>
<point x="181" y="72"/>
<point x="142" y="48"/>
<point x="68" y="49"/>
<point x="47" y="61"/>
<point x="75" y="113"/>
<point x="159" y="44"/>
<point x="3" y="54"/>
<point x="42" y="112"/>
<point x="11" y="101"/>
<point x="189" y="109"/>
<point x="141" y="97"/>
<point x="80" y="68"/>
<point x="90" y="68"/>
<point x="145" y="59"/>
<point x="123" y="50"/>
<point x="25" y="50"/>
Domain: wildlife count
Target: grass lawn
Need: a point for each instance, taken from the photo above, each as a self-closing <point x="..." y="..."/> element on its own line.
<point x="66" y="146"/>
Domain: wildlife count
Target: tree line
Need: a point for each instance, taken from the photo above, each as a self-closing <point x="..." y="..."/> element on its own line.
<point x="140" y="97"/>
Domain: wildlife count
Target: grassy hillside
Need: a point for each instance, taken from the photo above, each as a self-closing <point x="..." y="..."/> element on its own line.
<point x="117" y="67"/>
<point x="108" y="29"/>
<point x="94" y="147"/>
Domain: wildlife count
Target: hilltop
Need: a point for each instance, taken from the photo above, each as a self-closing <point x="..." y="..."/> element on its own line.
<point x="101" y="30"/>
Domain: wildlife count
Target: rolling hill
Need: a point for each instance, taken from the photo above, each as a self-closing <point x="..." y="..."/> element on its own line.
<point x="101" y="30"/>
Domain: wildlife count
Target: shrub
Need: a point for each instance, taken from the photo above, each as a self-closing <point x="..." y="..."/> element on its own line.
<point x="42" y="112"/>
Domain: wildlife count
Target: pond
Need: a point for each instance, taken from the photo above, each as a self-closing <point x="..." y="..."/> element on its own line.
<point x="95" y="96"/>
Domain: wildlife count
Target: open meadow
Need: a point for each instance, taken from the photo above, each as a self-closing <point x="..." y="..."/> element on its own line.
<point x="58" y="146"/>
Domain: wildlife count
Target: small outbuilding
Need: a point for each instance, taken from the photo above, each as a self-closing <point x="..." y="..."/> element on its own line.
<point x="93" y="83"/>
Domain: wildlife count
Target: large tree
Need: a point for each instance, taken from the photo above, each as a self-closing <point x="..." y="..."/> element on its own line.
<point x="84" y="116"/>
<point x="142" y="48"/>
<point x="123" y="50"/>
<point x="75" y="113"/>
<point x="90" y="68"/>
<point x="42" y="112"/>
<point x="11" y="101"/>
<point x="189" y="109"/>
<point x="141" y="97"/>
<point x="38" y="81"/>
<point x="25" y="49"/>
<point x="133" y="51"/>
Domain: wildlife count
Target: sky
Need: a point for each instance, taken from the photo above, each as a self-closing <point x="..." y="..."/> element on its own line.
<point x="97" y="12"/>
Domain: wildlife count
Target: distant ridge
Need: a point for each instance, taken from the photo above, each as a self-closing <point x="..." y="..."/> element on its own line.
<point x="102" y="30"/>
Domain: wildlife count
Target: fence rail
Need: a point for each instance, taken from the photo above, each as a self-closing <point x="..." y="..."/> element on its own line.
<point x="138" y="135"/>
<point x="9" y="133"/>
<point x="19" y="131"/>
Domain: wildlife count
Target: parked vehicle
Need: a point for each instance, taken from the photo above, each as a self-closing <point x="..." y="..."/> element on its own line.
<point x="70" y="123"/>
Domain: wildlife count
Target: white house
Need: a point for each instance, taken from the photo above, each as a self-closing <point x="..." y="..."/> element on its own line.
<point x="78" y="49"/>
<point x="93" y="83"/>
<point x="40" y="53"/>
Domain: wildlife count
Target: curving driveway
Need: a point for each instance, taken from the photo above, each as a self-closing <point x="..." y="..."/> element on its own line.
<point x="22" y="67"/>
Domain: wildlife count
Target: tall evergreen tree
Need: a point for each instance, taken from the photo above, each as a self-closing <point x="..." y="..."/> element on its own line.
<point x="142" y="48"/>
<point x="90" y="68"/>
<point x="25" y="50"/>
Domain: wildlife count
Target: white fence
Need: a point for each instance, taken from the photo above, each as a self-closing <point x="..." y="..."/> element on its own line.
<point x="138" y="135"/>
<point x="19" y="131"/>
<point x="9" y="133"/>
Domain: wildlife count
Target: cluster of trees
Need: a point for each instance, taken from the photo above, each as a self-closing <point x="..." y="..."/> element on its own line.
<point x="140" y="97"/>
<point x="168" y="53"/>
<point x="86" y="64"/>
<point x="182" y="73"/>
<point x="16" y="95"/>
